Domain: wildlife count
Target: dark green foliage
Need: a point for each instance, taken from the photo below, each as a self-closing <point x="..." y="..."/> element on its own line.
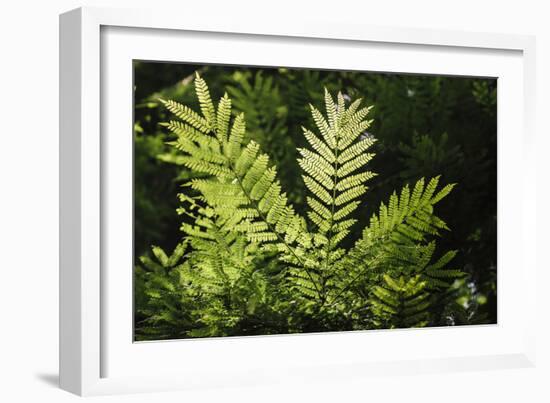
<point x="400" y="303"/>
<point x="272" y="199"/>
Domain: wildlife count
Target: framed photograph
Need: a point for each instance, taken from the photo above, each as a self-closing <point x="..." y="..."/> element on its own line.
<point x="247" y="203"/>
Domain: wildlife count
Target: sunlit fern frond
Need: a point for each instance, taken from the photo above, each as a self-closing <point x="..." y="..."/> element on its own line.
<point x="334" y="172"/>
<point x="334" y="166"/>
<point x="242" y="185"/>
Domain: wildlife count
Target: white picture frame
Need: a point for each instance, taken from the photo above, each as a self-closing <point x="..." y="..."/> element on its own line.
<point x="96" y="354"/>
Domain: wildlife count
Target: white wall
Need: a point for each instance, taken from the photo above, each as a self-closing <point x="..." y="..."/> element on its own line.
<point x="29" y="201"/>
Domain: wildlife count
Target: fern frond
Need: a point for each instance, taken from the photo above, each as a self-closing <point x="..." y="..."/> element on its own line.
<point x="397" y="241"/>
<point x="355" y="150"/>
<point x="323" y="127"/>
<point x="189" y="133"/>
<point x="327" y="167"/>
<point x="408" y="212"/>
<point x="187" y="115"/>
<point x="242" y="178"/>
<point x="236" y="137"/>
<point x="207" y="107"/>
<point x="400" y="302"/>
<point x="349" y="195"/>
<point x="324" y="175"/>
<point x="223" y="118"/>
<point x="353" y="165"/>
<point x="320" y="191"/>
<point x="437" y="275"/>
<point x="319" y="146"/>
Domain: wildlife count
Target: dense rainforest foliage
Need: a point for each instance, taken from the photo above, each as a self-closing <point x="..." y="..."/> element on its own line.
<point x="285" y="200"/>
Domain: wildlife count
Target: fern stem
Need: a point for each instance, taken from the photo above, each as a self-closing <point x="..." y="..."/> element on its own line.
<point x="332" y="208"/>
